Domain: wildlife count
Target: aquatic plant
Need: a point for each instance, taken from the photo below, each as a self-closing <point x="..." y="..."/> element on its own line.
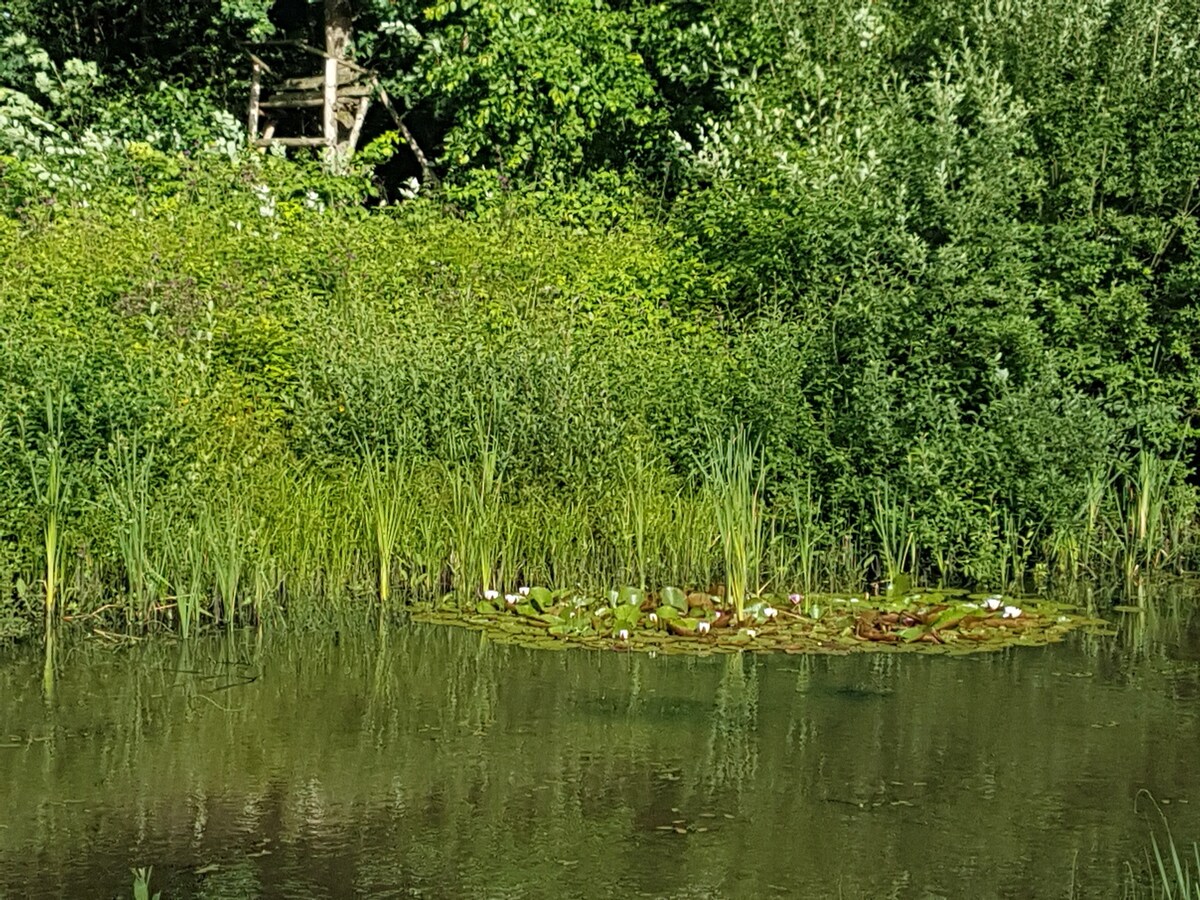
<point x="735" y="479"/>
<point x="388" y="510"/>
<point x="52" y="483"/>
<point x="141" y="884"/>
<point x="893" y="530"/>
<point x="128" y="490"/>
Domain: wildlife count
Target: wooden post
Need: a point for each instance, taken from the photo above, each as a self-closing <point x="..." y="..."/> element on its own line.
<point x="255" y="94"/>
<point x="360" y="116"/>
<point x="339" y="23"/>
<point x="329" y="121"/>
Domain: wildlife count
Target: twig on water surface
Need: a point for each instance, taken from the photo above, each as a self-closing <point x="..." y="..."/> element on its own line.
<point x="115" y="638"/>
<point x="218" y="705"/>
<point x="93" y="614"/>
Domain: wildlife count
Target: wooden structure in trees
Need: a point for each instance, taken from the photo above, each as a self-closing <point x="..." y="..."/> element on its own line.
<point x="343" y="91"/>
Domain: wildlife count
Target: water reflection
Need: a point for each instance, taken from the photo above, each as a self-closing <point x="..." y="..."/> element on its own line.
<point x="431" y="762"/>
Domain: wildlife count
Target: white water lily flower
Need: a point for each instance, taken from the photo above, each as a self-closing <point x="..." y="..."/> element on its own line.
<point x="511" y="599"/>
<point x="1011" y="612"/>
<point x="702" y="627"/>
<point x="770" y="612"/>
<point x="653" y="618"/>
<point x="623" y="634"/>
<point x="993" y="602"/>
<point x="750" y="632"/>
<point x="523" y="591"/>
<point x="490" y="594"/>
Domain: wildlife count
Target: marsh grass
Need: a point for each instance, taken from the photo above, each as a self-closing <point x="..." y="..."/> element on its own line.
<point x="188" y="564"/>
<point x="1153" y="519"/>
<point x="892" y="521"/>
<point x="128" y="490"/>
<point x="389" y="512"/>
<point x="1173" y="873"/>
<point x="474" y="523"/>
<point x="226" y="535"/>
<point x="735" y="481"/>
<point x="52" y="485"/>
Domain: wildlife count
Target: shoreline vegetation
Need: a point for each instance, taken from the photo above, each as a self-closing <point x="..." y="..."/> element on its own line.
<point x="205" y="427"/>
<point x="796" y="301"/>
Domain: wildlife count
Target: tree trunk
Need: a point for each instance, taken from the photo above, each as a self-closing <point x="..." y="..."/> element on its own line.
<point x="339" y="27"/>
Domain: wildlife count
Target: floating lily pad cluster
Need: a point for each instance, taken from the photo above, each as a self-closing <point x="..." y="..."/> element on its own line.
<point x="672" y="620"/>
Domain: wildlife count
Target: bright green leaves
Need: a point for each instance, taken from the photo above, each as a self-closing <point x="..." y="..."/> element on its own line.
<point x="547" y="88"/>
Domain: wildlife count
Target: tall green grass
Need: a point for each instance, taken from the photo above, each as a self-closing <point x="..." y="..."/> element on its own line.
<point x="128" y="489"/>
<point x="389" y="513"/>
<point x="735" y="483"/>
<point x="52" y="484"/>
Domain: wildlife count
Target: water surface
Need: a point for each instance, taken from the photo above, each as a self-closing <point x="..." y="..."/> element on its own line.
<point x="432" y="763"/>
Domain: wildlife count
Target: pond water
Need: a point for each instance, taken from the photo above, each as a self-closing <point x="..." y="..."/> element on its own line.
<point x="430" y="762"/>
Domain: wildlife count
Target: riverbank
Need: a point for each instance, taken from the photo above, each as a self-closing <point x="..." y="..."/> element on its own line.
<point x="251" y="409"/>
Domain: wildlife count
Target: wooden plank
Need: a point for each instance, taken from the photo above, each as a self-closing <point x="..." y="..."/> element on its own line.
<point x="291" y="141"/>
<point x="427" y="175"/>
<point x="255" y="94"/>
<point x="258" y="62"/>
<point x="292" y="104"/>
<point x="329" y="122"/>
<point x="317" y="82"/>
<point x="356" y="129"/>
<point x="353" y="90"/>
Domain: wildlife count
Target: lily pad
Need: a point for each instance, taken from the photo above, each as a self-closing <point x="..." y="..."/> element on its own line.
<point x="675" y="598"/>
<point x="929" y="621"/>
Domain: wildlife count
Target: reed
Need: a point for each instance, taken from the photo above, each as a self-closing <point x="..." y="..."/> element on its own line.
<point x="474" y="521"/>
<point x="128" y="489"/>
<point x="52" y="485"/>
<point x="1144" y="517"/>
<point x="1174" y="873"/>
<point x="892" y="523"/>
<point x="389" y="513"/>
<point x="806" y="509"/>
<point x="141" y="884"/>
<point x="735" y="480"/>
<point x="189" y="564"/>
<point x="634" y="515"/>
<point x="225" y="534"/>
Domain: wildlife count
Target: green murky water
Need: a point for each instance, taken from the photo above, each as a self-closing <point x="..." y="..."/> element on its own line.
<point x="436" y="764"/>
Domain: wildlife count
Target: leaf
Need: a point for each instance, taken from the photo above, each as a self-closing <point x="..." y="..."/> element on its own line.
<point x="675" y="598"/>
<point x="631" y="596"/>
<point x="541" y="597"/>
